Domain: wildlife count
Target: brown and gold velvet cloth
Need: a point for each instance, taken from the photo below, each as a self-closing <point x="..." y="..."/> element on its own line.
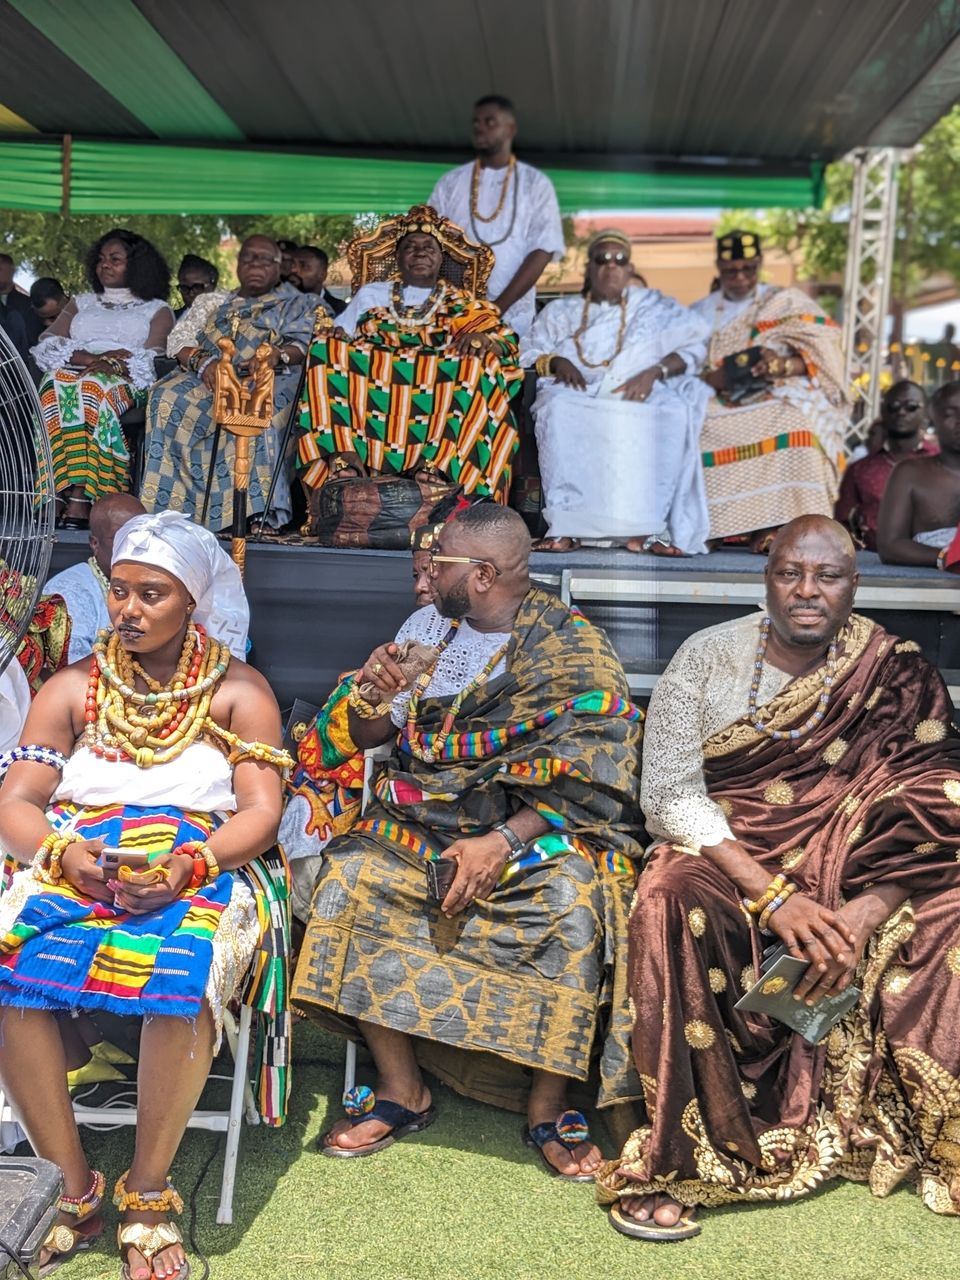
<point x="530" y="976"/>
<point x="738" y="1107"/>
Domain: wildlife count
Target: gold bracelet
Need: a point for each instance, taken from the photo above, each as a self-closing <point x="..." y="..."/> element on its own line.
<point x="213" y="867"/>
<point x="47" y="861"/>
<point x="942" y="559"/>
<point x="361" y="706"/>
<point x="786" y="892"/>
<point x="776" y="886"/>
<point x="542" y="365"/>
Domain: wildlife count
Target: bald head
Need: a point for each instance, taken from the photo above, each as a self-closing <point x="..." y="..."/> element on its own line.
<point x="811" y="579"/>
<point x="486" y="575"/>
<point x="106" y="517"/>
<point x="819" y="530"/>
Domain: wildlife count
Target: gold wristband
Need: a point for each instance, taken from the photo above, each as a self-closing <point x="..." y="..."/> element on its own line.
<point x="542" y="365"/>
<point x="364" y="709"/>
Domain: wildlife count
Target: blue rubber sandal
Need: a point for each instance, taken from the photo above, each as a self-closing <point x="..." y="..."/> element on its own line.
<point x="569" y="1130"/>
<point x="362" y="1104"/>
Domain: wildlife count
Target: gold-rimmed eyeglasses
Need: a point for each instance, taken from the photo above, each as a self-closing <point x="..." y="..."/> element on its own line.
<point x="436" y="557"/>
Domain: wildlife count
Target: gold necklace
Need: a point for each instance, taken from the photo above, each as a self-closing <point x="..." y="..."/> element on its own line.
<point x="475" y="192"/>
<point x="601" y="364"/>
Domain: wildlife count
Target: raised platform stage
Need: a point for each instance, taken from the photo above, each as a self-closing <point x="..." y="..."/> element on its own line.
<point x="318" y="612"/>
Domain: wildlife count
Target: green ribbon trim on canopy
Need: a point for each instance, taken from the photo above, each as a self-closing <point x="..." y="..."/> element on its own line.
<point x="115" y="45"/>
<point x="132" y="177"/>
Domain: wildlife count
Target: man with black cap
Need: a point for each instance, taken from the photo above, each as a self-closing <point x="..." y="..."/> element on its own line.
<point x="773" y="437"/>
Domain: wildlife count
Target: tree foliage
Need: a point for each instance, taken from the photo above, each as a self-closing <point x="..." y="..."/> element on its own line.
<point x="928" y="224"/>
<point x="50" y="244"/>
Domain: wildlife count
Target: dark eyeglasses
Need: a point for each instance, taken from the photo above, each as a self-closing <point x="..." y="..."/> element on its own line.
<point x="903" y="406"/>
<point x="436" y="558"/>
<point x="191" y="288"/>
<point x="600" y="259"/>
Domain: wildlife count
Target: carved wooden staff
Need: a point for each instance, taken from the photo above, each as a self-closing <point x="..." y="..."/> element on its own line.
<point x="244" y="407"/>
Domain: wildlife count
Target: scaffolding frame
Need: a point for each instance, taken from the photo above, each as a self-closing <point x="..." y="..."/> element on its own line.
<point x="869" y="269"/>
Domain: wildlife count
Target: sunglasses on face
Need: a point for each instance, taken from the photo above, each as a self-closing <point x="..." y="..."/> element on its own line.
<point x="436" y="558"/>
<point x="903" y="406"/>
<point x="608" y="255"/>
<point x="191" y="288"/>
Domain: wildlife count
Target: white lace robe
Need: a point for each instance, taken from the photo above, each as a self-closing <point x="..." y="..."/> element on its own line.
<point x="96" y="326"/>
<point x="705" y="688"/>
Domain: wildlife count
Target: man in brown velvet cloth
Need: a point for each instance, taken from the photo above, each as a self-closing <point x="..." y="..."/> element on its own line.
<point x="810" y="745"/>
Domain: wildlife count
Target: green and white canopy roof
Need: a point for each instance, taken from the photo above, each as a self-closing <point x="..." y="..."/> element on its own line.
<point x="306" y="105"/>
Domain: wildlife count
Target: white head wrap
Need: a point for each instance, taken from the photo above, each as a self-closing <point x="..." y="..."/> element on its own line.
<point x="168" y="540"/>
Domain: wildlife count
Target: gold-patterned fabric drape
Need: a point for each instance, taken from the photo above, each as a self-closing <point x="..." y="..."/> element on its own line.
<point x="738" y="1107"/>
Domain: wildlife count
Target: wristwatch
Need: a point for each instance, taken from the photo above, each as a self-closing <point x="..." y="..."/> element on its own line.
<point x="664" y="371"/>
<point x="511" y="837"/>
<point x="284" y="356"/>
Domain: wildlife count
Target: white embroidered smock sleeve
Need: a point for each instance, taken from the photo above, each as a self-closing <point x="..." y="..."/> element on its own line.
<point x="704" y="689"/>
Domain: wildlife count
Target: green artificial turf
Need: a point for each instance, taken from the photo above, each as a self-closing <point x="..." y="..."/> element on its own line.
<point x="465" y="1201"/>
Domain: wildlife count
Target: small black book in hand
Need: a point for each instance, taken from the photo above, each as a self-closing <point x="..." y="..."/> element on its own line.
<point x="772" y="995"/>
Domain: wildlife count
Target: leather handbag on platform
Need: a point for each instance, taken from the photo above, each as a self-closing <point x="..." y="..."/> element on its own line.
<point x="379" y="512"/>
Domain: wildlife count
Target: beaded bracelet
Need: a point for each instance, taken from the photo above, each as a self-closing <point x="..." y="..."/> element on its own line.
<point x="776" y="885"/>
<point x="49" y="856"/>
<point x="775" y="905"/>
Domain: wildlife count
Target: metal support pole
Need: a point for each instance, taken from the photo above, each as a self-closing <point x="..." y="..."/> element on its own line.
<point x="866" y="290"/>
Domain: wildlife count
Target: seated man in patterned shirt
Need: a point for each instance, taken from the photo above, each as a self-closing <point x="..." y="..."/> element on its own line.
<point x="803" y="774"/>
<point x="515" y="767"/>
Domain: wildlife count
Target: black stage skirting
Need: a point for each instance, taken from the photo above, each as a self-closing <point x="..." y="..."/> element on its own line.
<point x="317" y="612"/>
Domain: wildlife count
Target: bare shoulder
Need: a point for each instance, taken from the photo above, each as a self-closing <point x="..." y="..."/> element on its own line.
<point x="243" y="678"/>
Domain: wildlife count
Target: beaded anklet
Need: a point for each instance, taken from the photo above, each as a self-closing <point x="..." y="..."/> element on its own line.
<point x="166" y="1201"/>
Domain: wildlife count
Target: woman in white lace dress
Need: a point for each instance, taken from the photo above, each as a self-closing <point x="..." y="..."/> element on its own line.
<point x="618" y="411"/>
<point x="97" y="359"/>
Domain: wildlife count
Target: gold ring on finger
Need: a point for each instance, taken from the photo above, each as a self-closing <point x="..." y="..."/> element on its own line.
<point x="377" y="668"/>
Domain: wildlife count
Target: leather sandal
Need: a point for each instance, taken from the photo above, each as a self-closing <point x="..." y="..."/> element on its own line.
<point x="569" y="1129"/>
<point x="64" y="1242"/>
<point x="148" y="1238"/>
<point x="362" y="1104"/>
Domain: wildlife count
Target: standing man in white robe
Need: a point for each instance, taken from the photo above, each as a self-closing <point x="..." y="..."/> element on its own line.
<point x="508" y="205"/>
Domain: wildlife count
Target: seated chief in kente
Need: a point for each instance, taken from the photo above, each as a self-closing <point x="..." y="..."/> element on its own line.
<point x="514" y="767"/>
<point x="417" y="372"/>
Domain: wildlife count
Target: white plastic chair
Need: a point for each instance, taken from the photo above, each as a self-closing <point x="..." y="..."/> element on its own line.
<point x="121" y="1107"/>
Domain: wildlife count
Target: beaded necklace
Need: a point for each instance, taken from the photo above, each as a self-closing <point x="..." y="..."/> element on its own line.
<point x="150" y="728"/>
<point x="600" y="364"/>
<point x="415" y="317"/>
<point x="475" y="213"/>
<point x="821" y="709"/>
<point x="120" y="723"/>
<point x="420" y="688"/>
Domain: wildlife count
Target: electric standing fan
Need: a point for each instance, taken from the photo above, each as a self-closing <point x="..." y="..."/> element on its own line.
<point x="27" y="501"/>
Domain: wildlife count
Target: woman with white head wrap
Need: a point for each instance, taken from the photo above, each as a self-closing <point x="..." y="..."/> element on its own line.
<point x="168" y="540"/>
<point x="140" y="896"/>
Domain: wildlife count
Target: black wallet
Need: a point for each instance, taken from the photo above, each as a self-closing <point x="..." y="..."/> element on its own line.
<point x="772" y="995"/>
<point x="740" y="384"/>
<point x="441" y="873"/>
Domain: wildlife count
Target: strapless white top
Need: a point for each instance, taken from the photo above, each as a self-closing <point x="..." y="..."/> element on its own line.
<point x="199" y="779"/>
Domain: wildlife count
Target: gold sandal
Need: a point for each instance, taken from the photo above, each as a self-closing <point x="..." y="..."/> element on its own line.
<point x="152" y="1238"/>
<point x="66" y="1242"/>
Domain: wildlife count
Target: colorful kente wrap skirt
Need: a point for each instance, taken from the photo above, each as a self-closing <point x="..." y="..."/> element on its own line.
<point x="738" y="1107"/>
<point x="782" y="455"/>
<point x="60" y="950"/>
<point x="529" y="977"/>
<point x="82" y="413"/>
<point x="401" y="399"/>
